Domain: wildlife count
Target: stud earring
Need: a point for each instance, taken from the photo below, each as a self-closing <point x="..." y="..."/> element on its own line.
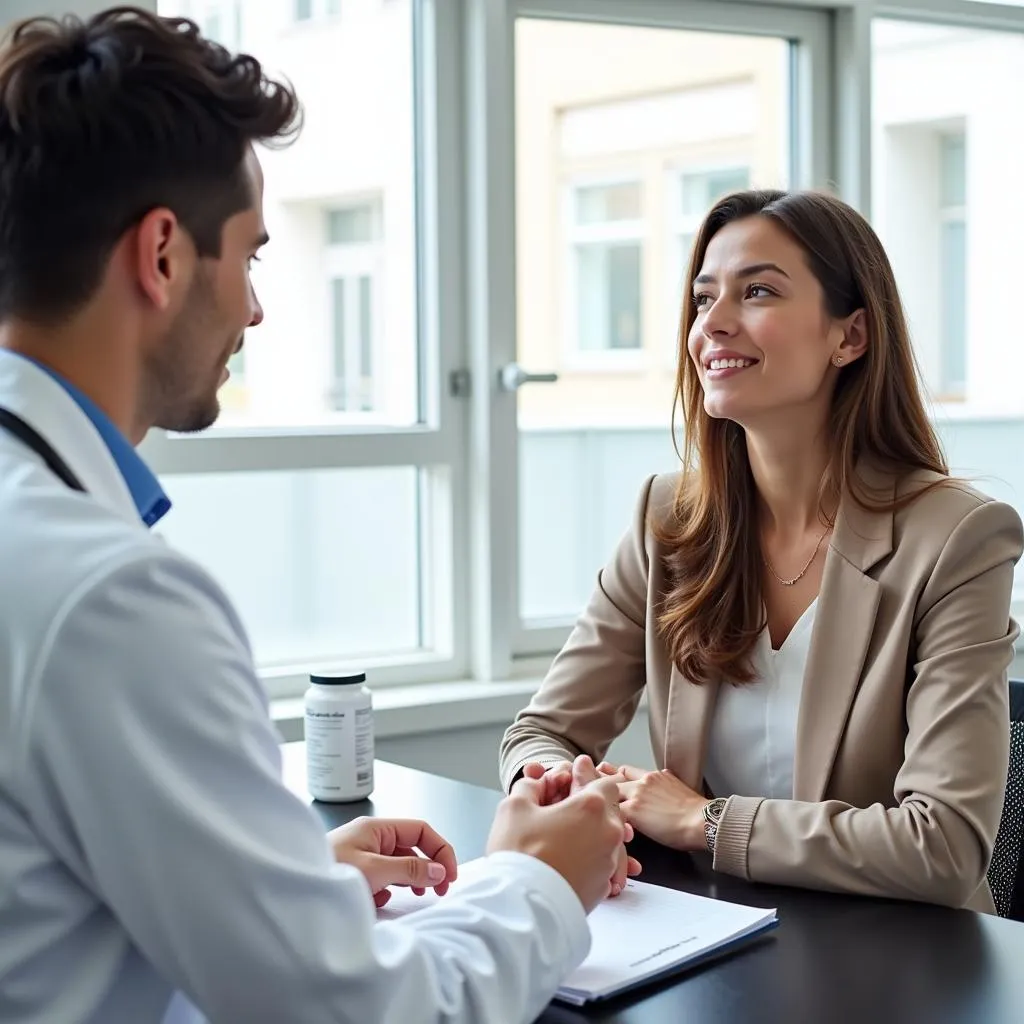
<point x="837" y="360"/>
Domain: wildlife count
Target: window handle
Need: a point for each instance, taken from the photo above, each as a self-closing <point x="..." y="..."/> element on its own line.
<point x="512" y="377"/>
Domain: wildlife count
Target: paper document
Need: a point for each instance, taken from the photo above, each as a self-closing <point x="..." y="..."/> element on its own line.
<point x="645" y="932"/>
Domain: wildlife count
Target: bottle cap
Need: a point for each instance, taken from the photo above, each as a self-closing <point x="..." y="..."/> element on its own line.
<point x="339" y="680"/>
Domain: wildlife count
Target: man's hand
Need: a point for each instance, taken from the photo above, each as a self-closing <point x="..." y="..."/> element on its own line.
<point x="553" y="791"/>
<point x="385" y="851"/>
<point x="567" y="777"/>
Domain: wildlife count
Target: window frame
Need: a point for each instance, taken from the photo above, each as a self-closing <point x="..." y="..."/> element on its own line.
<point x="572" y="355"/>
<point x="952" y="214"/>
<point x="516" y="647"/>
<point x="681" y="224"/>
<point x="466" y="290"/>
<point x="437" y="445"/>
<point x="351" y="262"/>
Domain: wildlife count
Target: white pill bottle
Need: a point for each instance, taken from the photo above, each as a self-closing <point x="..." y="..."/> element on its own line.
<point x="339" y="738"/>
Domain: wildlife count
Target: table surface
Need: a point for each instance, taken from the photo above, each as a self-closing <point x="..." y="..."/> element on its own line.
<point x="833" y="959"/>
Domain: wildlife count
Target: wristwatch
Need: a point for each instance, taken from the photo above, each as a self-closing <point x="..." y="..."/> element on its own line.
<point x="713" y="811"/>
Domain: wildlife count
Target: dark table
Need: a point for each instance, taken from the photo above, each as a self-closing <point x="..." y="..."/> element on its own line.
<point x="833" y="959"/>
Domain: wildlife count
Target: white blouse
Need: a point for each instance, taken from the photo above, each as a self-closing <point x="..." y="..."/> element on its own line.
<point x="753" y="729"/>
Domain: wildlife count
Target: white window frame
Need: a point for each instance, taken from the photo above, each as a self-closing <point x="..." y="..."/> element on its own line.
<point x="466" y="298"/>
<point x="512" y="647"/>
<point x="350" y="261"/>
<point x="951" y="214"/>
<point x="437" y="445"/>
<point x="573" y="356"/>
<point x="681" y="223"/>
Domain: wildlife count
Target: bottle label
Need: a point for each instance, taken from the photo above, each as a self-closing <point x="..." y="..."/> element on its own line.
<point x="339" y="753"/>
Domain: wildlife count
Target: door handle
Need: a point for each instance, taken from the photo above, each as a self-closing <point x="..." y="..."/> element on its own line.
<point x="512" y="377"/>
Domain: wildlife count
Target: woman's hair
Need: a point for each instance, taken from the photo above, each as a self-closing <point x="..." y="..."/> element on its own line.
<point x="106" y="118"/>
<point x="712" y="612"/>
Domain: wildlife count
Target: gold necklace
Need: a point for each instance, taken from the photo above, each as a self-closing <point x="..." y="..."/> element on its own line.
<point x="800" y="575"/>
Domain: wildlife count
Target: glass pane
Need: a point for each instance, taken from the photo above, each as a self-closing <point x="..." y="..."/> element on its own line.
<point x="609" y="296"/>
<point x="336" y="577"/>
<point x="354" y="224"/>
<point x="366" y="343"/>
<point x="954" y="312"/>
<point x="341" y="369"/>
<point x="944" y="174"/>
<point x="598" y="203"/>
<point x="701" y="190"/>
<point x="340" y="199"/>
<point x="611" y="122"/>
<point x="953" y="184"/>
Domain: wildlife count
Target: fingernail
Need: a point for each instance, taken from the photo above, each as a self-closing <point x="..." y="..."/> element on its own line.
<point x="435" y="872"/>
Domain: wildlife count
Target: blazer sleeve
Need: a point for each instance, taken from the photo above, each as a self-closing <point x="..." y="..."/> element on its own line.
<point x="594" y="685"/>
<point x="935" y="844"/>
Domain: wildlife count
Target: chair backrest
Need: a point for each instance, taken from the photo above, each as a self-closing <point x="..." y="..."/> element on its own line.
<point x="1006" y="872"/>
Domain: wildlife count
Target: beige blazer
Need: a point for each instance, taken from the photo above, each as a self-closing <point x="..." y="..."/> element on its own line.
<point x="902" y="739"/>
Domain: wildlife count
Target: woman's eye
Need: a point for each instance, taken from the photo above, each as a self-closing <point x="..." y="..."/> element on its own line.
<point x="701" y="300"/>
<point x="758" y="291"/>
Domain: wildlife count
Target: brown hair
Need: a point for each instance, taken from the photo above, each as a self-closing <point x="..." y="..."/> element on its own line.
<point x="105" y="119"/>
<point x="712" y="612"/>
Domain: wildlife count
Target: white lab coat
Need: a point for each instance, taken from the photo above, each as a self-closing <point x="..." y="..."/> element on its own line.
<point x="151" y="860"/>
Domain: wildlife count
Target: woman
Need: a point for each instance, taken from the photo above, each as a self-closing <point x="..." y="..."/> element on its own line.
<point x="818" y="613"/>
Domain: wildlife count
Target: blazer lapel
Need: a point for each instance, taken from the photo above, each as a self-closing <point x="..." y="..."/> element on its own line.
<point x="844" y="624"/>
<point x="686" y="734"/>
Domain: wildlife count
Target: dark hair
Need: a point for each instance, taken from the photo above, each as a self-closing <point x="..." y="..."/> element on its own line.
<point x="105" y="119"/>
<point x="712" y="613"/>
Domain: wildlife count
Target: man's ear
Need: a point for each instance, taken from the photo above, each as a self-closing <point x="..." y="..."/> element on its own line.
<point x="160" y="252"/>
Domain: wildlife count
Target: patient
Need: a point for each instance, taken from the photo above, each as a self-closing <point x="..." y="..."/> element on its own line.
<point x="819" y="614"/>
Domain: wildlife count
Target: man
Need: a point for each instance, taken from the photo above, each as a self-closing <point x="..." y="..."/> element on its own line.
<point x="152" y="865"/>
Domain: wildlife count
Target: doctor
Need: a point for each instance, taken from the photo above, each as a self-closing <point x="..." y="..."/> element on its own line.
<point x="152" y="865"/>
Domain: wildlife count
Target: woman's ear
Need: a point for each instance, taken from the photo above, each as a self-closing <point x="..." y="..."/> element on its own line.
<point x="855" y="338"/>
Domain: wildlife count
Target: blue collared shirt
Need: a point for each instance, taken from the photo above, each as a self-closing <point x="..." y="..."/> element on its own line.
<point x="149" y="497"/>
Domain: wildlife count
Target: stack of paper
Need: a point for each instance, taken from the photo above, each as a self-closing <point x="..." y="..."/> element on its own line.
<point x="644" y="933"/>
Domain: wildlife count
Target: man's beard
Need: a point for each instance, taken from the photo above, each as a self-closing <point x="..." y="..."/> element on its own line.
<point x="181" y="382"/>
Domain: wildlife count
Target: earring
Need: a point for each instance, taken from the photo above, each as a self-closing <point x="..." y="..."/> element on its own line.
<point x="837" y="360"/>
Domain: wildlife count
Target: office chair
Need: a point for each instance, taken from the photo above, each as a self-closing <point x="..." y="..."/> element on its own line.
<point x="1006" y="872"/>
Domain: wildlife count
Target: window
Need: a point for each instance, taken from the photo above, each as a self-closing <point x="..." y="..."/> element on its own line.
<point x="445" y="212"/>
<point x="943" y="199"/>
<point x="953" y="273"/>
<point x="607" y="252"/>
<point x="336" y="437"/>
<point x="220" y="20"/>
<point x="318" y="591"/>
<point x="699" y="190"/>
<point x="633" y="132"/>
<point x="355" y="275"/>
<point x="694" y="192"/>
<point x="306" y="10"/>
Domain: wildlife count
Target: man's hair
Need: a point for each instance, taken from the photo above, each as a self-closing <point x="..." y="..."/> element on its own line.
<point x="105" y="119"/>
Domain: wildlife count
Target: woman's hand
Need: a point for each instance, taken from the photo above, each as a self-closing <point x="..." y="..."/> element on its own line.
<point x="660" y="805"/>
<point x="385" y="851"/>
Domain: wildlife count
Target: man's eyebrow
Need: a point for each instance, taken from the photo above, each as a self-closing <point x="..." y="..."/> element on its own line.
<point x="751" y="270"/>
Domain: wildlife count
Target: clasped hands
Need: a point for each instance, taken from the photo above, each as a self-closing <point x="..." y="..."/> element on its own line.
<point x="581" y="835"/>
<point x="408" y="852"/>
<point x="656" y="803"/>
